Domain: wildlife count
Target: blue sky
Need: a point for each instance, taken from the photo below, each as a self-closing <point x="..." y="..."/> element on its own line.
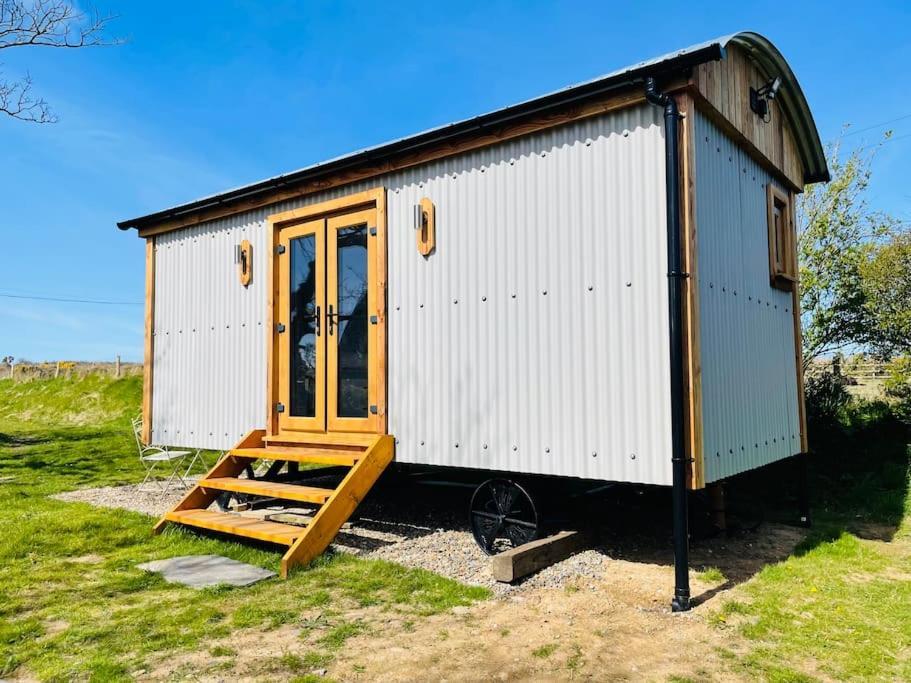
<point x="204" y="96"/>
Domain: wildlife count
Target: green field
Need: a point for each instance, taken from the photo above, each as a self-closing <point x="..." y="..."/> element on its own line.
<point x="73" y="605"/>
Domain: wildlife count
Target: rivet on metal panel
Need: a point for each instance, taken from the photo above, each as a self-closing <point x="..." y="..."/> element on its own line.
<point x="398" y="308"/>
<point x="513" y="295"/>
<point x="457" y="444"/>
<point x="547" y="450"/>
<point x="483" y="298"/>
<point x="629" y="284"/>
<point x="626" y="133"/>
<point x="484" y="447"/>
<point x="591" y="287"/>
<point x="632" y="456"/>
<point x="588" y="142"/>
<point x="515" y="448"/>
<point x="543" y="154"/>
<point x="422" y="443"/>
<point x="711" y="285"/>
<point x="595" y="454"/>
<point x="717" y="454"/>
<point x="455" y="301"/>
<point x="544" y="292"/>
<point x="420" y="305"/>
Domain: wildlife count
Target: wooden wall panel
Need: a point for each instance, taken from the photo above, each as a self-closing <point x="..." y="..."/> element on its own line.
<point x="723" y="88"/>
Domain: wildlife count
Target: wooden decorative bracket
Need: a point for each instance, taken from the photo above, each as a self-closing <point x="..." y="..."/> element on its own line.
<point x="425" y="226"/>
<point x="245" y="262"/>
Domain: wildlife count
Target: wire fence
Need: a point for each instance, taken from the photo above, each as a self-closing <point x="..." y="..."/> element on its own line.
<point x="23" y="371"/>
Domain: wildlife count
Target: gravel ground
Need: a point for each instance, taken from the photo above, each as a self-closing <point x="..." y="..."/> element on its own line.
<point x="429" y="533"/>
<point x="426" y="526"/>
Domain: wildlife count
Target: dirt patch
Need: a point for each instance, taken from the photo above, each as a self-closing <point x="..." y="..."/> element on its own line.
<point x="91" y="558"/>
<point x="610" y="623"/>
<point x="618" y="627"/>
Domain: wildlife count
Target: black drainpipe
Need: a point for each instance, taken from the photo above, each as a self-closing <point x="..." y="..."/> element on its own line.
<point x="675" y="274"/>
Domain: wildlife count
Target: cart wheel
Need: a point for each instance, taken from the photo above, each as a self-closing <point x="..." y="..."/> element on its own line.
<point x="502" y="515"/>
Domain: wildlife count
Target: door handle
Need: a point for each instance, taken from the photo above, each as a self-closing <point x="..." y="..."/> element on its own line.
<point x="318" y="318"/>
<point x="330" y="319"/>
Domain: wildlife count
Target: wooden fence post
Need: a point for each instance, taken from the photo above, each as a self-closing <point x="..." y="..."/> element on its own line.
<point x="117" y="367"/>
<point x="57" y="370"/>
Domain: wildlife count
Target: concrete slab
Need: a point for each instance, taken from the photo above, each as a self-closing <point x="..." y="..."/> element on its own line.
<point x="202" y="571"/>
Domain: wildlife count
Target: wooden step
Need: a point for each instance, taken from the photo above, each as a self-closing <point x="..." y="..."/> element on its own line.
<point x="271" y="532"/>
<point x="317" y="456"/>
<point x="356" y="440"/>
<point x="269" y="489"/>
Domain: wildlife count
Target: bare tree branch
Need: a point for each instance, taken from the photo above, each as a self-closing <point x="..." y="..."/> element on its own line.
<point x="43" y="23"/>
<point x="17" y="101"/>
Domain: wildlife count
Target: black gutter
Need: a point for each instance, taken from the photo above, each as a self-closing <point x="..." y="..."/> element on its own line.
<point x="675" y="275"/>
<point x="540" y="106"/>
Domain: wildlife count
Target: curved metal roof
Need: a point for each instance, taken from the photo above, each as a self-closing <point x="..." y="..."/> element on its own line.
<point x="791" y="99"/>
<point x="790" y="96"/>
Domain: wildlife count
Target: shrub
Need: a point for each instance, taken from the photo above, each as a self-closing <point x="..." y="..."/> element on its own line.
<point x="898" y="387"/>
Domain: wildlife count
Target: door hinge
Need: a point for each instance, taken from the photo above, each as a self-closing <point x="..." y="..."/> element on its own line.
<point x="373" y="409"/>
<point x="279" y="328"/>
<point x="374" y="320"/>
<point x="280" y="249"/>
<point x="279" y="407"/>
<point x="373" y="232"/>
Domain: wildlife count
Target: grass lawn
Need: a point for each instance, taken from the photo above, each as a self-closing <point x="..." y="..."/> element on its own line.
<point x="840" y="607"/>
<point x="74" y="606"/>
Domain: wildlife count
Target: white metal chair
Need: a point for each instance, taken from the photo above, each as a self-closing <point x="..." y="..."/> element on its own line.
<point x="197" y="458"/>
<point x="158" y="458"/>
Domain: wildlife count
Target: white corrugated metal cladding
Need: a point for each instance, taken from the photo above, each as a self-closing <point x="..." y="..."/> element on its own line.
<point x="533" y="340"/>
<point x="749" y="376"/>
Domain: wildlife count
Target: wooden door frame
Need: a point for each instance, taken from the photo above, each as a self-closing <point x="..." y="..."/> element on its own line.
<point x="373" y="198"/>
<point x="286" y="421"/>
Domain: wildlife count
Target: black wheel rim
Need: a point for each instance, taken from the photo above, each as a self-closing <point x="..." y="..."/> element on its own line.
<point x="502" y="516"/>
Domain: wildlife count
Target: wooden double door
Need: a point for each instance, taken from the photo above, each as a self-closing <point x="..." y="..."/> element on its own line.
<point x="328" y="313"/>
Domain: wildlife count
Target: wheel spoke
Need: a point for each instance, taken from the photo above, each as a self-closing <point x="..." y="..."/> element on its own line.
<point x="520" y="522"/>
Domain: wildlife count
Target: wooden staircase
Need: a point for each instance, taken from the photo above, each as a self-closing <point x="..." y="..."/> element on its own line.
<point x="367" y="455"/>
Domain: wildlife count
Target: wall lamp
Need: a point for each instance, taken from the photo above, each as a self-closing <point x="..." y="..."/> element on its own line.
<point x="759" y="99"/>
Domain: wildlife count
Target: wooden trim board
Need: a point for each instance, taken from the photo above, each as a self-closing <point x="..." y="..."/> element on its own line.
<point x="798" y="337"/>
<point x="148" y="357"/>
<point x="691" y="322"/>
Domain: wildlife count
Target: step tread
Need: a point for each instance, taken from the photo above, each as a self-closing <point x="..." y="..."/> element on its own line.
<point x="321" y="456"/>
<point x="359" y="440"/>
<point x="271" y="489"/>
<point x="248" y="527"/>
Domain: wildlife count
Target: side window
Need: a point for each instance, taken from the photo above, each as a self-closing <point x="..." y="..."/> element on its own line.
<point x="782" y="252"/>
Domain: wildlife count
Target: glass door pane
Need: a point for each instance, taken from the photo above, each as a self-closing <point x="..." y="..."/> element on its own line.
<point x="351" y="339"/>
<point x="299" y="327"/>
<point x="351" y="318"/>
<point x="304" y="325"/>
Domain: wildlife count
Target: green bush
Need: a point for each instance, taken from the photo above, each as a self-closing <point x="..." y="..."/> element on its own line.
<point x="898" y="387"/>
